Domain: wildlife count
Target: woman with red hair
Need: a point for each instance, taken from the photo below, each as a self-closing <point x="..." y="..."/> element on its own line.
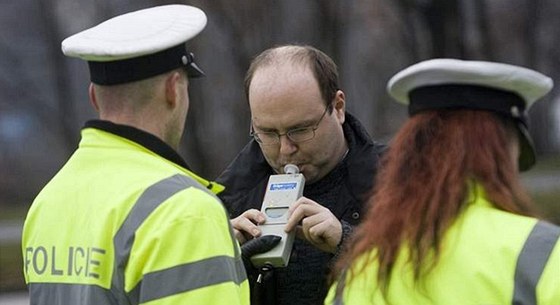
<point x="449" y="221"/>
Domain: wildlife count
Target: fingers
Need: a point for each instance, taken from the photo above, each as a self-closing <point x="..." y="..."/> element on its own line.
<point x="302" y="208"/>
<point x="318" y="225"/>
<point x="322" y="231"/>
<point x="239" y="236"/>
<point x="245" y="225"/>
<point x="255" y="216"/>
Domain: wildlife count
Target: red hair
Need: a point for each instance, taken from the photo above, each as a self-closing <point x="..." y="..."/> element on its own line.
<point x="423" y="183"/>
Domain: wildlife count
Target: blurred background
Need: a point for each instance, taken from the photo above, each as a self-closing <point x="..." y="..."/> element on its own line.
<point x="44" y="103"/>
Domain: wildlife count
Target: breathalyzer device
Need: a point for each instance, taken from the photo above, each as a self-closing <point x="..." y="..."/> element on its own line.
<point x="281" y="192"/>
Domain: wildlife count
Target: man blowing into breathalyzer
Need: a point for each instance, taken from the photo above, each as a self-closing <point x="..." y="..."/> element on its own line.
<point x="298" y="116"/>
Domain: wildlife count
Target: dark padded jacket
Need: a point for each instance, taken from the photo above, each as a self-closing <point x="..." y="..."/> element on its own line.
<point x="344" y="191"/>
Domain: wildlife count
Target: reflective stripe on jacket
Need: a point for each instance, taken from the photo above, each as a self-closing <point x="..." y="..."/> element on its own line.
<point x="488" y="256"/>
<point x="119" y="224"/>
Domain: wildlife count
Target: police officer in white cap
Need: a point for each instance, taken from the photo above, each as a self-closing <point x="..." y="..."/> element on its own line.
<point x="125" y="221"/>
<point x="451" y="223"/>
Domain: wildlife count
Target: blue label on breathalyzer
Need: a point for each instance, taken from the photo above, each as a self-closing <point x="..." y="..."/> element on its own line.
<point x="283" y="186"/>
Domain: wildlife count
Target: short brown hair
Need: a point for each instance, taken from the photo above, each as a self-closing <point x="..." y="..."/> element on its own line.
<point x="323" y="67"/>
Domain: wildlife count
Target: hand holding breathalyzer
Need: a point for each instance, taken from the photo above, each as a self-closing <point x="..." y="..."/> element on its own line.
<point x="318" y="224"/>
<point x="245" y="226"/>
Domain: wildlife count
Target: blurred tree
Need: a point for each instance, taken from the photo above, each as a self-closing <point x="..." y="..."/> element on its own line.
<point x="64" y="114"/>
<point x="369" y="39"/>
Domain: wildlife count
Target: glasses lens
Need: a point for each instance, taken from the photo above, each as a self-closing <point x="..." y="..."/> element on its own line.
<point x="266" y="138"/>
<point x="301" y="135"/>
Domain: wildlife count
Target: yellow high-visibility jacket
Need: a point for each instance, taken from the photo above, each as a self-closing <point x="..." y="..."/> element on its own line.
<point x="488" y="257"/>
<point x="122" y="224"/>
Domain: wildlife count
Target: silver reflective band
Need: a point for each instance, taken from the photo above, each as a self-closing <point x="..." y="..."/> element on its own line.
<point x="185" y="278"/>
<point x="339" y="294"/>
<point x="532" y="260"/>
<point x="59" y="293"/>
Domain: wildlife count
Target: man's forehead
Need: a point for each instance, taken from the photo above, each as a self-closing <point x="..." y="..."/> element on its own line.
<point x="281" y="69"/>
<point x="272" y="81"/>
<point x="284" y="116"/>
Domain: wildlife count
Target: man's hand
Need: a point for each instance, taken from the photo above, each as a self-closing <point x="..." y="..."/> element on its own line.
<point x="245" y="225"/>
<point x="318" y="225"/>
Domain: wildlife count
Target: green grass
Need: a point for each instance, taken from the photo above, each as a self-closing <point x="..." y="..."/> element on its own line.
<point x="548" y="203"/>
<point x="11" y="274"/>
<point x="13" y="212"/>
<point x="547" y="163"/>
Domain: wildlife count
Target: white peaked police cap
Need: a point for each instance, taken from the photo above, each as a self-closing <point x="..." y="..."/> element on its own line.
<point x="462" y="84"/>
<point x="139" y="44"/>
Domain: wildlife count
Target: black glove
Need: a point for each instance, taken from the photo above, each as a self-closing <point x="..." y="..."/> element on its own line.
<point x="263" y="291"/>
<point x="257" y="245"/>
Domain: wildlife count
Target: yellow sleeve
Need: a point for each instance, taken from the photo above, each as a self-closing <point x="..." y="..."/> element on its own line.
<point x="184" y="253"/>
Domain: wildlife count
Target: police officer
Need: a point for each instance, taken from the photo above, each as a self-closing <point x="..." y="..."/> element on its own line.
<point x="125" y="221"/>
<point x="451" y="222"/>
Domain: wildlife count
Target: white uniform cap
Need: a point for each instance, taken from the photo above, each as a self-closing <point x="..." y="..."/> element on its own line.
<point x="459" y="84"/>
<point x="528" y="84"/>
<point x="139" y="44"/>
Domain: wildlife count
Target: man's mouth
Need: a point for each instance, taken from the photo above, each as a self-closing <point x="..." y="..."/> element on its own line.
<point x="297" y="164"/>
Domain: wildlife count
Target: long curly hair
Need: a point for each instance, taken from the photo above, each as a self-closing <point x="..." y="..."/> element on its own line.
<point x="423" y="183"/>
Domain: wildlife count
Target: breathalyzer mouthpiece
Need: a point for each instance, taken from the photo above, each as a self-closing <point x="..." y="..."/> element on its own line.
<point x="291" y="169"/>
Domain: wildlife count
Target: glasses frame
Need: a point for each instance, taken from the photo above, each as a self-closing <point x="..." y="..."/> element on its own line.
<point x="312" y="128"/>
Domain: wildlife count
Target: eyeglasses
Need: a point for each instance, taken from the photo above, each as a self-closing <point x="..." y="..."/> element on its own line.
<point x="296" y="135"/>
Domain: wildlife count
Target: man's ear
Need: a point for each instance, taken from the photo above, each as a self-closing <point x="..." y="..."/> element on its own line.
<point x="339" y="106"/>
<point x="171" y="89"/>
<point x="93" y="98"/>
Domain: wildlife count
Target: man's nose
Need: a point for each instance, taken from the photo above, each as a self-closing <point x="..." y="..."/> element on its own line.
<point x="287" y="147"/>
